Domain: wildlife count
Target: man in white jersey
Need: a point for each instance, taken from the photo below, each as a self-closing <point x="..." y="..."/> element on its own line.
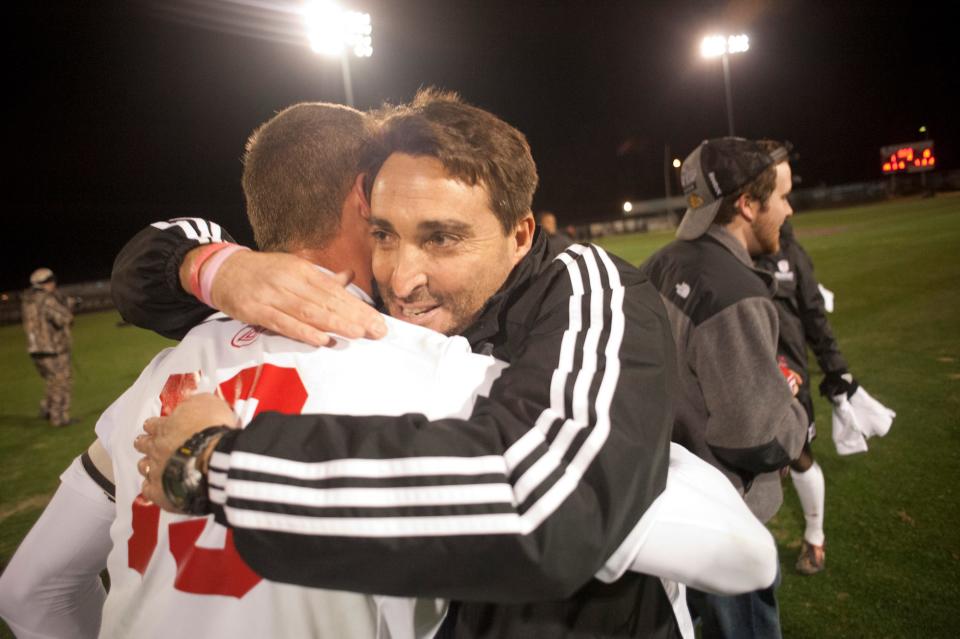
<point x="177" y="573"/>
<point x="171" y="571"/>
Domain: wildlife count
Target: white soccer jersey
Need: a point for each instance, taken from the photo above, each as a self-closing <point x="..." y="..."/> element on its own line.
<point x="173" y="574"/>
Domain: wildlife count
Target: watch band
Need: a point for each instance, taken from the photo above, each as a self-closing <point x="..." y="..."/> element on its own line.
<point x="183" y="483"/>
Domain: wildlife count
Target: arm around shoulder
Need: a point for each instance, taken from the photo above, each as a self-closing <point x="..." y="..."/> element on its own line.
<point x="145" y="282"/>
<point x="540" y="485"/>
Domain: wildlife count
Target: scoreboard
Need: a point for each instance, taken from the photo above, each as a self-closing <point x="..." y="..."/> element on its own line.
<point x="908" y="157"/>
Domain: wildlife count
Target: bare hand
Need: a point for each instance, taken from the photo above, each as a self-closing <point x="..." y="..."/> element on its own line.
<point x="288" y="295"/>
<point x="165" y="434"/>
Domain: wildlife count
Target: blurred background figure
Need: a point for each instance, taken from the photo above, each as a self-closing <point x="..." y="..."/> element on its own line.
<point x="47" y="318"/>
<point x="558" y="240"/>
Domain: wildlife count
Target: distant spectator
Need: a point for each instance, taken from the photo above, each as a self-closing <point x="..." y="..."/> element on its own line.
<point x="47" y="318"/>
<point x="557" y="240"/>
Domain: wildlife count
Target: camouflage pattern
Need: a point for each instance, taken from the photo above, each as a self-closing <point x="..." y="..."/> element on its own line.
<point x="55" y="370"/>
<point x="47" y="317"/>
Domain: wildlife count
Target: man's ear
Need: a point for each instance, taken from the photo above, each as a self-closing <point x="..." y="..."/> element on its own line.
<point x="361" y="195"/>
<point x="523" y="235"/>
<point x="747" y="207"/>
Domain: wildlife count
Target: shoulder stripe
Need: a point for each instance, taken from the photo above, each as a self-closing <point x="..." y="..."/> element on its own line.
<point x="594" y="442"/>
<point x="495" y="524"/>
<point x="399" y="467"/>
<point x="372" y="497"/>
<point x="194" y="228"/>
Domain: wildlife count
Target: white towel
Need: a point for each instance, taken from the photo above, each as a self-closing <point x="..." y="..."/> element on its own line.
<point x="828" y="297"/>
<point x="857" y="419"/>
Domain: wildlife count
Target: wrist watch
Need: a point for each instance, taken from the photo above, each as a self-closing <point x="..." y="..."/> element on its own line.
<point x="183" y="483"/>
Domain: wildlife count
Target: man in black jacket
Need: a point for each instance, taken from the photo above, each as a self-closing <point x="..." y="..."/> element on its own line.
<point x="591" y="368"/>
<point x="736" y="410"/>
<point x="803" y="321"/>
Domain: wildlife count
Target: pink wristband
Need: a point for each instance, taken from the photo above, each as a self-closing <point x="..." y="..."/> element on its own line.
<point x="210" y="270"/>
<point x="203" y="255"/>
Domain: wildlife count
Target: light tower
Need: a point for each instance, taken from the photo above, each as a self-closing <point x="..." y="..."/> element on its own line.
<point x="722" y="46"/>
<point x="336" y="32"/>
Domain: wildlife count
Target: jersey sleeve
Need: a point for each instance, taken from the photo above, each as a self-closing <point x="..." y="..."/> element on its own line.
<point x="145" y="282"/>
<point x="700" y="532"/>
<point x="813" y="315"/>
<point x="523" y="501"/>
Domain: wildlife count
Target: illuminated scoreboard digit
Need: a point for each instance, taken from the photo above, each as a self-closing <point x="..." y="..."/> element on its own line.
<point x="909" y="157"/>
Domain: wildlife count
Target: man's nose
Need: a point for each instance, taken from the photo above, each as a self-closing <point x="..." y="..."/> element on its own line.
<point x="408" y="273"/>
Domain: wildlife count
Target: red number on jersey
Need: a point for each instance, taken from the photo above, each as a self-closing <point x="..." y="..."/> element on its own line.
<point x="212" y="571"/>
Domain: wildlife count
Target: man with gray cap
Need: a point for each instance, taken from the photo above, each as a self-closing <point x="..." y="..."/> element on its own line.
<point x="47" y="317"/>
<point x="736" y="408"/>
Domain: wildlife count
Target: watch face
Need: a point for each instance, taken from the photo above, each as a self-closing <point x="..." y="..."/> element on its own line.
<point x="182" y="482"/>
<point x="174" y="486"/>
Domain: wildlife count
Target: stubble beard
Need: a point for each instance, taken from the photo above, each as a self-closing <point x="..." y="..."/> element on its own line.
<point x="767" y="234"/>
<point x="462" y="309"/>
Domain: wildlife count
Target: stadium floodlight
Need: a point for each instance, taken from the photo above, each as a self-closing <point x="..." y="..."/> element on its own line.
<point x="336" y="32"/>
<point x="627" y="207"/>
<point x="718" y="46"/>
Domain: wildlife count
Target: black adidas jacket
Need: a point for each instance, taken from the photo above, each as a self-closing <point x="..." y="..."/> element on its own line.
<point x="581" y="418"/>
<point x="803" y="318"/>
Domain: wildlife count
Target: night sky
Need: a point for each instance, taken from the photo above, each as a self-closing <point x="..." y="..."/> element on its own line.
<point x="121" y="113"/>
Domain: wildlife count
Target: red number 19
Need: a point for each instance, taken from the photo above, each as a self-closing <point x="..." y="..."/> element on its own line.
<point x="211" y="571"/>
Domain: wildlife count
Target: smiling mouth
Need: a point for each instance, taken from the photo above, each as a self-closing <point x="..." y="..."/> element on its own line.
<point x="418" y="312"/>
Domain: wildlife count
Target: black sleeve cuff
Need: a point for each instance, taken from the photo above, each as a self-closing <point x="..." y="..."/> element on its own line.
<point x="145" y="282"/>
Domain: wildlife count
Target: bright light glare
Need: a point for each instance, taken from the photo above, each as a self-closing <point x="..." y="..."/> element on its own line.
<point x="713" y="46"/>
<point x="738" y="43"/>
<point x="333" y="30"/>
<point x="627" y="207"/>
<point x="676" y="163"/>
<point x="717" y="45"/>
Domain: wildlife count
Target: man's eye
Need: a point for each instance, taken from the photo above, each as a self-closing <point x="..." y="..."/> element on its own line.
<point x="380" y="236"/>
<point x="442" y="240"/>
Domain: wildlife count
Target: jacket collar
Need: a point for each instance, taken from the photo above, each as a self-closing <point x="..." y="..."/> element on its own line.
<point x="731" y="243"/>
<point x="726" y="239"/>
<point x="487" y="324"/>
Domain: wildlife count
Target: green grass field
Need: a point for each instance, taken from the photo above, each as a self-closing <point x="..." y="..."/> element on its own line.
<point x="892" y="524"/>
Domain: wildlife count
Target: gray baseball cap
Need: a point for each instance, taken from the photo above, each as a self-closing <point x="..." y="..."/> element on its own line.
<point x="716" y="168"/>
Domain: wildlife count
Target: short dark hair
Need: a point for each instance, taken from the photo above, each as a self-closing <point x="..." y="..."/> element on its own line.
<point x="473" y="146"/>
<point x="298" y="168"/>
<point x="759" y="189"/>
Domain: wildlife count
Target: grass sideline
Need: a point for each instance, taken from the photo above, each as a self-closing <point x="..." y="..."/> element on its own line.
<point x="892" y="523"/>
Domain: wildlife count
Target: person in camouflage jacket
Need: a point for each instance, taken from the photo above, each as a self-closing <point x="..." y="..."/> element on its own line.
<point x="47" y="318"/>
